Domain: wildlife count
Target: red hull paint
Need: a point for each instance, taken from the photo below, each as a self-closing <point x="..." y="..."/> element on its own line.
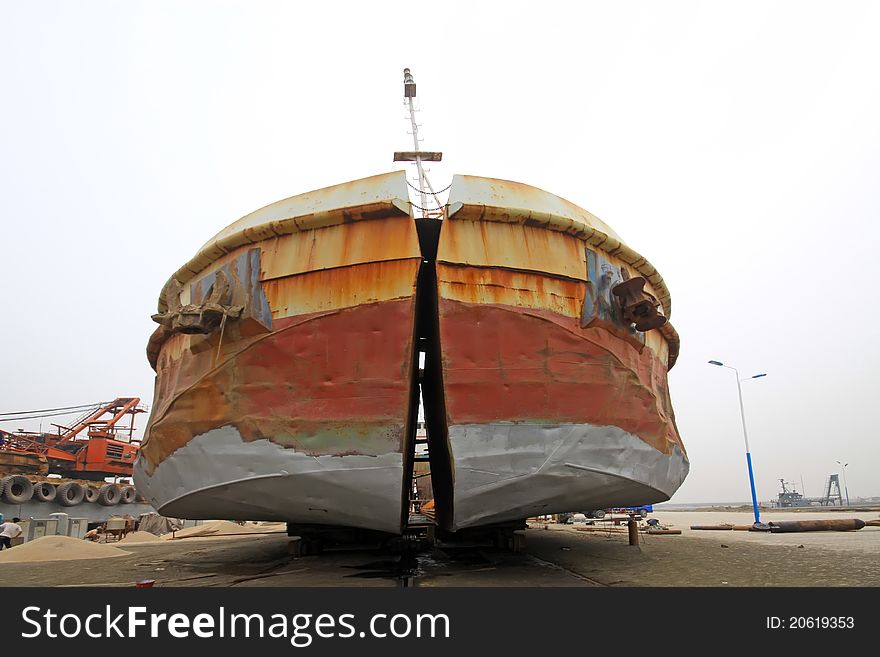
<point x="508" y="364"/>
<point x="330" y="383"/>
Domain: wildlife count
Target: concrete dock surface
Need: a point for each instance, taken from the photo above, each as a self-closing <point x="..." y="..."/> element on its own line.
<point x="554" y="555"/>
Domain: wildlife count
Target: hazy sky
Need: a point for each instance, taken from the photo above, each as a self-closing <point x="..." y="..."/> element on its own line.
<point x="736" y="145"/>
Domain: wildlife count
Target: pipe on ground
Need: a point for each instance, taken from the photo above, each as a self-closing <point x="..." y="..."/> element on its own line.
<point x="834" y="525"/>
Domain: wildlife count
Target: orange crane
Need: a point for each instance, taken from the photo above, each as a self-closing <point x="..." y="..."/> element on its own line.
<point x="95" y="447"/>
<point x="100" y="453"/>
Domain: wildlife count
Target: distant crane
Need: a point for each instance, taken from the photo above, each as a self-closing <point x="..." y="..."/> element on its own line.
<point x="832" y="491"/>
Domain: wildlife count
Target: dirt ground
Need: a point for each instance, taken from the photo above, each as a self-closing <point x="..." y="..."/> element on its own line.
<point x="707" y="559"/>
<point x="865" y="540"/>
<point x="555" y="555"/>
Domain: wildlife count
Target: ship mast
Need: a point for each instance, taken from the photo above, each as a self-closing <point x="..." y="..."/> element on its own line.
<point x="416" y="155"/>
<point x="409" y="92"/>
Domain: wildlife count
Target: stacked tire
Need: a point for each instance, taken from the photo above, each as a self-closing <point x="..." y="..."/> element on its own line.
<point x="18" y="489"/>
<point x="128" y="495"/>
<point x="70" y="493"/>
<point x="109" y="495"/>
<point x="44" y="492"/>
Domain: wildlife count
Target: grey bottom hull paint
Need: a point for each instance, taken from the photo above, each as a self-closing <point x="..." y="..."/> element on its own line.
<point x="217" y="475"/>
<point x="502" y="472"/>
<point x="510" y="471"/>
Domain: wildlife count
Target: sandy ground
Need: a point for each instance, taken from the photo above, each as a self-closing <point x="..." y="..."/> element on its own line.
<point x="864" y="540"/>
<point x="555" y="555"/>
<point x="717" y="558"/>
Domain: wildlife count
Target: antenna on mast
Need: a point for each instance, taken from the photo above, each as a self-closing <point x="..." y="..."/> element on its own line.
<point x="415" y="155"/>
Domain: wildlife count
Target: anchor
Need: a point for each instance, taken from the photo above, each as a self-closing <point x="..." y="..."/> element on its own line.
<point x="199" y="318"/>
<point x="638" y="306"/>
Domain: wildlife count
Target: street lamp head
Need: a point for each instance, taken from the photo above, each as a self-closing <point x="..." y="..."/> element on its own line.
<point x="758" y="376"/>
<point x="715" y="362"/>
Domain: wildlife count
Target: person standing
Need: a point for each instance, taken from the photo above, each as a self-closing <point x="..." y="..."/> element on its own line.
<point x="8" y="531"/>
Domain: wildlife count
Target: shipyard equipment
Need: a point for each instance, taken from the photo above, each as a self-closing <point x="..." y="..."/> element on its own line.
<point x="98" y="445"/>
<point x="832" y="491"/>
<point x="789" y="497"/>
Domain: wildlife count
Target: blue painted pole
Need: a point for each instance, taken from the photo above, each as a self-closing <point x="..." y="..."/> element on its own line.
<point x="742" y="415"/>
<point x="752" y="484"/>
<point x="748" y="451"/>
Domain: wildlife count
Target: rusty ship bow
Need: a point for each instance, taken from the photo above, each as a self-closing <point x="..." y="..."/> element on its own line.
<point x="284" y="365"/>
<point x="289" y="360"/>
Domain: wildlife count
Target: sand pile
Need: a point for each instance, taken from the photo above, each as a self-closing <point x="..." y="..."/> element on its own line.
<point x="140" y="537"/>
<point x="214" y="528"/>
<point x="59" y="548"/>
<point x="269" y="526"/>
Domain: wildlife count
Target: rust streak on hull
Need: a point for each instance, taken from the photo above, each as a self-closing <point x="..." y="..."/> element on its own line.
<point x="539" y="367"/>
<point x="318" y="386"/>
<point x="339" y="246"/>
<point x="287" y="381"/>
<point x="343" y="287"/>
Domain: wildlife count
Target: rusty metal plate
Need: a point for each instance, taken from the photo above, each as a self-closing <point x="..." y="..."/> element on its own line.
<point x="512" y="246"/>
<point x="376" y="197"/>
<point x="513" y="288"/>
<point x="319" y="372"/>
<point x="374" y="192"/>
<point x="474" y="198"/>
<point x="331" y="289"/>
<point x="340" y="246"/>
<point x="530" y="267"/>
<point x="505" y="198"/>
<point x="525" y="365"/>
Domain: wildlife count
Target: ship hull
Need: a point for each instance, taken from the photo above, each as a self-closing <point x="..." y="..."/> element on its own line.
<point x="218" y="474"/>
<point x="545" y="417"/>
<point x="510" y="471"/>
<point x="288" y="378"/>
<point x="299" y="404"/>
<point x="306" y="424"/>
<point x="550" y="400"/>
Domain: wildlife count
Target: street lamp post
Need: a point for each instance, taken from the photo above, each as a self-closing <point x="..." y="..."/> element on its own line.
<point x="845" y="487"/>
<point x="742" y="414"/>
